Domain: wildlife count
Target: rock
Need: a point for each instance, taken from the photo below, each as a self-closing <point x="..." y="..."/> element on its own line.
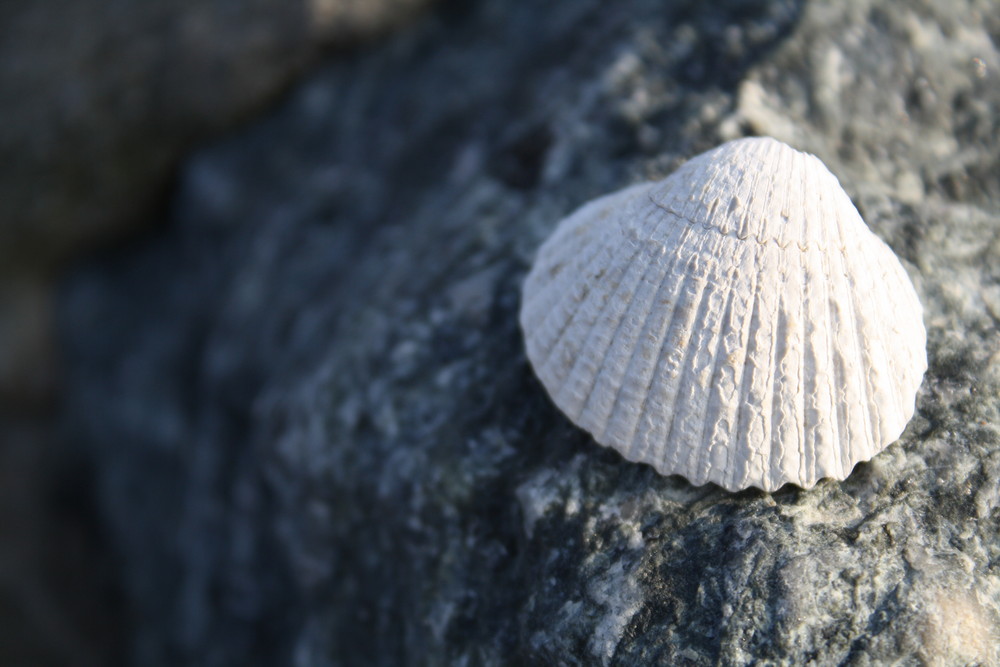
<point x="26" y="345"/>
<point x="59" y="599"/>
<point x="99" y="100"/>
<point x="102" y="98"/>
<point x="317" y="437"/>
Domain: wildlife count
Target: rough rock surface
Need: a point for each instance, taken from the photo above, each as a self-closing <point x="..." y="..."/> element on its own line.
<point x="319" y="441"/>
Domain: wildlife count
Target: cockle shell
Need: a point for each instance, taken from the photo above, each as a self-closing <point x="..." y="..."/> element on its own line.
<point x="735" y="323"/>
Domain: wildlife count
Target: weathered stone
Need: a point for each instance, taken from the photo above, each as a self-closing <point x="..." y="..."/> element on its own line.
<point x="320" y="443"/>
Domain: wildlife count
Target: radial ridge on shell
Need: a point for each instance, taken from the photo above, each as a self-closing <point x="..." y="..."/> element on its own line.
<point x="735" y="323"/>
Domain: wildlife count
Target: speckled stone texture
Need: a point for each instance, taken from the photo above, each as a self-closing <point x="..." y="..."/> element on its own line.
<point x="319" y="442"/>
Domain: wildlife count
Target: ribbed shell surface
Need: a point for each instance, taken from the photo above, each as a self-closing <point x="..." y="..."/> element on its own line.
<point x="735" y="323"/>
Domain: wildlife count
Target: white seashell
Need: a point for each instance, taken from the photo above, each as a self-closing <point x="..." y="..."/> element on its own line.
<point x="735" y="323"/>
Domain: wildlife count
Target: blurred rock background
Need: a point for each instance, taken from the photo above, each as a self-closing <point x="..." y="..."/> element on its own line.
<point x="293" y="421"/>
<point x="99" y="102"/>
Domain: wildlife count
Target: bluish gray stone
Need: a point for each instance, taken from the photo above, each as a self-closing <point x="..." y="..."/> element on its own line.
<point x="320" y="443"/>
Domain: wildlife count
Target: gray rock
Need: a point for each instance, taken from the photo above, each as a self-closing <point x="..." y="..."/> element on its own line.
<point x="319" y="441"/>
<point x="99" y="99"/>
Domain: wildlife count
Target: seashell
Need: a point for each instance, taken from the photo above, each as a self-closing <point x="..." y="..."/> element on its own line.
<point x="735" y="323"/>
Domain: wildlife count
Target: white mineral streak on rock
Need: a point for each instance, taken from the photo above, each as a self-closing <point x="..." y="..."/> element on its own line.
<point x="618" y="591"/>
<point x="735" y="323"/>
